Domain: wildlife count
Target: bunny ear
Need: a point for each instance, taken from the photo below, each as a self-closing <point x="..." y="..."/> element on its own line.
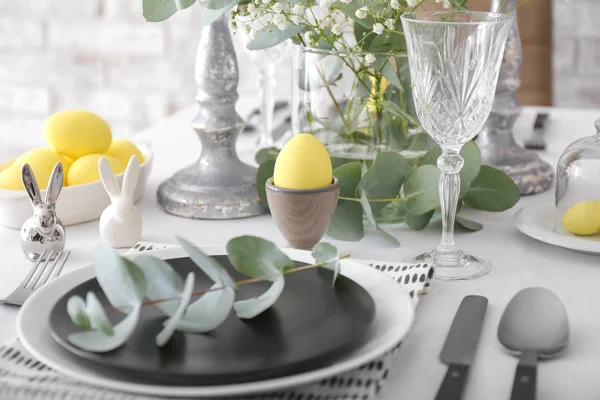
<point x="132" y="174"/>
<point x="55" y="184"/>
<point x="108" y="178"/>
<point x="30" y="184"/>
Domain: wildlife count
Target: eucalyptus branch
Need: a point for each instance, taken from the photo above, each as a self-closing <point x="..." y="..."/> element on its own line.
<point x="238" y="283"/>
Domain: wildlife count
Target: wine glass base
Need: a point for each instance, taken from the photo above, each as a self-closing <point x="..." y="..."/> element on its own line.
<point x="468" y="267"/>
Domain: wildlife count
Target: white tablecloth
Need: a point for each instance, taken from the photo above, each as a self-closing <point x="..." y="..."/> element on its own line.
<point x="519" y="262"/>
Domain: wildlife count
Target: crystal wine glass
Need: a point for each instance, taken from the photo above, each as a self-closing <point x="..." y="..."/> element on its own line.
<point x="454" y="60"/>
<point x="267" y="60"/>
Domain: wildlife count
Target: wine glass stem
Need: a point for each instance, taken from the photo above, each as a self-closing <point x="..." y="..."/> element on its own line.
<point x="450" y="163"/>
<point x="267" y="81"/>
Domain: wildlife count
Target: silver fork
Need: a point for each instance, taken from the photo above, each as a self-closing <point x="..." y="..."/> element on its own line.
<point x="48" y="265"/>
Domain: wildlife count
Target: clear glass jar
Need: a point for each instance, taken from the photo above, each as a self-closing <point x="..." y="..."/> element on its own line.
<point x="357" y="104"/>
<point x="578" y="174"/>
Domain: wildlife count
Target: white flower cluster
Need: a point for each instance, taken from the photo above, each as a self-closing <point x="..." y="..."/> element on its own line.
<point x="325" y="20"/>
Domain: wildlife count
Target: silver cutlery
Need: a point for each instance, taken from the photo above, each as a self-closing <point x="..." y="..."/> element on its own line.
<point x="460" y="347"/>
<point x="534" y="325"/>
<point x="252" y="120"/>
<point x="48" y="265"/>
<point x="536" y="140"/>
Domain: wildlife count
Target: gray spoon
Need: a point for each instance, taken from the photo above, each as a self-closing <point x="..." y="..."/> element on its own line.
<point x="534" y="325"/>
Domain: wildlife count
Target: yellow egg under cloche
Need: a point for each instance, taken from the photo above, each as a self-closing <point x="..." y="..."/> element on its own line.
<point x="303" y="163"/>
<point x="85" y="169"/>
<point x="582" y="218"/>
<point x="76" y="133"/>
<point x="10" y="178"/>
<point x="43" y="159"/>
<point x="122" y="150"/>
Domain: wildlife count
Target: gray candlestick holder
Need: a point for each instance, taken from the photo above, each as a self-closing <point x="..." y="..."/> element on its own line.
<point x="496" y="141"/>
<point x="218" y="185"/>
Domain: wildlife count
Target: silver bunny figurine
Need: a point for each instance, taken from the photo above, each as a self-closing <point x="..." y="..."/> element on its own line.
<point x="44" y="230"/>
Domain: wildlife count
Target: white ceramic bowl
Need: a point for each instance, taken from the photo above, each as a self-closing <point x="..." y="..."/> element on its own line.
<point x="76" y="204"/>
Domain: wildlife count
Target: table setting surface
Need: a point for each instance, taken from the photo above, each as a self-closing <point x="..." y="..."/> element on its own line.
<point x="518" y="260"/>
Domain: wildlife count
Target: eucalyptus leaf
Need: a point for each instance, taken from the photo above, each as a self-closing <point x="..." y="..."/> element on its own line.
<point x="169" y="328"/>
<point x="209" y="16"/>
<point x="350" y="10"/>
<point x="492" y="190"/>
<point x="121" y="280"/>
<point x="319" y="74"/>
<point x="337" y="162"/>
<point x="158" y="10"/>
<point x="418" y="222"/>
<point x="207" y="264"/>
<point x="396" y="111"/>
<point x="264" y="173"/>
<point x="347" y="223"/>
<point x="267" y="154"/>
<point x="422" y="190"/>
<point x="97" y="342"/>
<point x="209" y="311"/>
<point x="391" y="75"/>
<point x="468" y="224"/>
<point x="163" y="282"/>
<point x="257" y="257"/>
<point x="349" y="176"/>
<point x="364" y="36"/>
<point x="247" y="309"/>
<point x="272" y="35"/>
<point x="96" y="315"/>
<point x="369" y="213"/>
<point x="76" y="309"/>
<point x="328" y="253"/>
<point x="216" y="4"/>
<point x="384" y="179"/>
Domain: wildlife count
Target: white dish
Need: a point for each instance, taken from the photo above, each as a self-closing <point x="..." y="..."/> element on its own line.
<point x="539" y="222"/>
<point x="394" y="313"/>
<point x="76" y="204"/>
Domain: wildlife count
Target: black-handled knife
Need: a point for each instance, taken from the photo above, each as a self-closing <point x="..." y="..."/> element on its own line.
<point x="460" y="347"/>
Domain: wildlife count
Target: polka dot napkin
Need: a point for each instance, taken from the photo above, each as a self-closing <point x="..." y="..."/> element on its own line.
<point x="23" y="377"/>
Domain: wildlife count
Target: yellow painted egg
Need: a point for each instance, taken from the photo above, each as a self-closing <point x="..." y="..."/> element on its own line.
<point x="122" y="150"/>
<point x="6" y="164"/>
<point x="10" y="178"/>
<point x="76" y="133"/>
<point x="85" y="169"/>
<point x="303" y="163"/>
<point x="582" y="219"/>
<point x="44" y="159"/>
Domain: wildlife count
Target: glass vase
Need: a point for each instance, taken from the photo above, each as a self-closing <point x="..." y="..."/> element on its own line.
<point x="357" y="104"/>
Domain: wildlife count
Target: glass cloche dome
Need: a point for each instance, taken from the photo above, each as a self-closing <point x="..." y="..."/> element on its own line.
<point x="578" y="186"/>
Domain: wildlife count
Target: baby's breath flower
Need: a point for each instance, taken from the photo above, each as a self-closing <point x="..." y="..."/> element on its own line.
<point x="298" y="8"/>
<point x="268" y="1"/>
<point x="337" y="29"/>
<point x="325" y="4"/>
<point x="446" y="3"/>
<point x="277" y="8"/>
<point x="390" y="23"/>
<point x="370" y="59"/>
<point x="361" y="13"/>
<point x="396" y="5"/>
<point x="378" y="28"/>
<point x="280" y="21"/>
<point x="296" y="19"/>
<point x="350" y="1"/>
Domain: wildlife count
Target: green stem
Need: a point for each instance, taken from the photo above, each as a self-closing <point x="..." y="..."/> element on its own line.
<point x="238" y="283"/>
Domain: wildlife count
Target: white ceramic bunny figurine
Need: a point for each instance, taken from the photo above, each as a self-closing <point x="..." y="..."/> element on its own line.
<point x="120" y="222"/>
<point x="44" y="231"/>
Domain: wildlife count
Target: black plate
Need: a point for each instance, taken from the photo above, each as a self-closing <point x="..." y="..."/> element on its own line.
<point x="310" y="325"/>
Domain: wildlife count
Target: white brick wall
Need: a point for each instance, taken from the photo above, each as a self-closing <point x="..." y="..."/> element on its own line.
<point x="102" y="55"/>
<point x="576" y="55"/>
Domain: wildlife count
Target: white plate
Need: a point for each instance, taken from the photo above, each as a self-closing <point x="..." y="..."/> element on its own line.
<point x="394" y="313"/>
<point x="539" y="222"/>
<point x="76" y="204"/>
